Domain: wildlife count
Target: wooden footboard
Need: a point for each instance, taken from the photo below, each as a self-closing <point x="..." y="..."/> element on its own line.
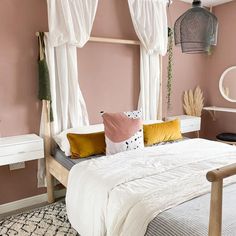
<point x="216" y="177"/>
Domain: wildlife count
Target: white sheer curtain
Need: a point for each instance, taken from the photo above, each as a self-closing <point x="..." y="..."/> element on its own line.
<point x="150" y="23"/>
<point x="70" y="21"/>
<point x="70" y="24"/>
<point x="68" y="105"/>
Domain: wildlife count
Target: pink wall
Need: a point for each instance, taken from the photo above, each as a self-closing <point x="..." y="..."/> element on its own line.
<point x="20" y="109"/>
<point x="109" y="75"/>
<point x="189" y="70"/>
<point x="224" y="56"/>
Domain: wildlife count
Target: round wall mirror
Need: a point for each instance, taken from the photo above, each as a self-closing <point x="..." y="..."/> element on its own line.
<point x="227" y="84"/>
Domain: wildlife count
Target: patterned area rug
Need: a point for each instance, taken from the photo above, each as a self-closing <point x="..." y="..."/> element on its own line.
<point x="49" y="220"/>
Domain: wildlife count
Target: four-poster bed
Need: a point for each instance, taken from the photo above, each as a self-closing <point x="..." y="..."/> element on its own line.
<point x="61" y="50"/>
<point x="56" y="170"/>
<point x="53" y="168"/>
<point x="61" y="173"/>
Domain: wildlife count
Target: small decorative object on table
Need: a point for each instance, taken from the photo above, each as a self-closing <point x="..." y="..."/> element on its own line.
<point x="193" y="102"/>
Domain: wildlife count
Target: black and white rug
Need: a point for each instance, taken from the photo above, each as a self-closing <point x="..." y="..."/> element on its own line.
<point x="49" y="220"/>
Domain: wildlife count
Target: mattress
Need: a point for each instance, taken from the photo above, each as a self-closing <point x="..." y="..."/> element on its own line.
<point x="68" y="162"/>
<point x="188" y="219"/>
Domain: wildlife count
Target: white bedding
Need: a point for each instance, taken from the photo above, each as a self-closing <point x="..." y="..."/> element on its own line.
<point x="121" y="194"/>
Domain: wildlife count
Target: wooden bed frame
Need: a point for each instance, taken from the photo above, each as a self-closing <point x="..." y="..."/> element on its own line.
<point x="53" y="168"/>
<point x="216" y="177"/>
<point x="56" y="170"/>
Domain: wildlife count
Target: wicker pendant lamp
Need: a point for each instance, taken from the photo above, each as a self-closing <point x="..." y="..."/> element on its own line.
<point x="196" y="30"/>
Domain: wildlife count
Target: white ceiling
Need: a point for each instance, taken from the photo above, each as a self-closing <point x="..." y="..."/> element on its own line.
<point x="209" y="3"/>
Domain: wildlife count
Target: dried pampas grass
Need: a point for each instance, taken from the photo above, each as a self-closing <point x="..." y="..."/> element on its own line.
<point x="193" y="102"/>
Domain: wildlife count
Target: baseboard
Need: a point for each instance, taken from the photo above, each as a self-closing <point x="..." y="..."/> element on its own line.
<point x="27" y="202"/>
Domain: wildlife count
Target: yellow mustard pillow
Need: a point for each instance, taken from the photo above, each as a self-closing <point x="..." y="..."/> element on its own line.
<point x="85" y="145"/>
<point x="162" y="132"/>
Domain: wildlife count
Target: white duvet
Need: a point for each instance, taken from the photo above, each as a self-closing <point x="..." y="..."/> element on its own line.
<point x="119" y="195"/>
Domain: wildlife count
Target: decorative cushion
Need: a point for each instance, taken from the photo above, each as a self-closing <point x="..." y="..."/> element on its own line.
<point x="161" y="132"/>
<point x="85" y="145"/>
<point x="62" y="141"/>
<point x="123" y="131"/>
<point x="228" y="137"/>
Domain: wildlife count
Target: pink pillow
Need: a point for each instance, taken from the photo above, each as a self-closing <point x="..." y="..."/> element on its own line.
<point x="123" y="131"/>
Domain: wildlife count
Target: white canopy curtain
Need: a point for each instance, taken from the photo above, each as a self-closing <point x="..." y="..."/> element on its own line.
<point x="150" y="23"/>
<point x="70" y="24"/>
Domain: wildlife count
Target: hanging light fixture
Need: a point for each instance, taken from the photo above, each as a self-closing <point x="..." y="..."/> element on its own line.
<point x="196" y="30"/>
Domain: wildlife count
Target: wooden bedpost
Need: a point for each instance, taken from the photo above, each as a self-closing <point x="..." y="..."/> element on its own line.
<point x="47" y="150"/>
<point x="215" y="221"/>
<point x="216" y="177"/>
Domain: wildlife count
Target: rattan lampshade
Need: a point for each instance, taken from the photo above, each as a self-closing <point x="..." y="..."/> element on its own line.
<point x="196" y="30"/>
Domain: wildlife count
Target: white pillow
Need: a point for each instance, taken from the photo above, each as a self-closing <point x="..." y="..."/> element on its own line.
<point x="62" y="141"/>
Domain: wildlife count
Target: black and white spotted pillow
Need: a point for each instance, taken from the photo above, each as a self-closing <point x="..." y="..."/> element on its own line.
<point x="123" y="131"/>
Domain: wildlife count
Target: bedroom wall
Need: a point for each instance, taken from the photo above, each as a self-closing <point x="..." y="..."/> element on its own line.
<point x="223" y="57"/>
<point x="109" y="75"/>
<point x="19" y="107"/>
<point x="112" y="62"/>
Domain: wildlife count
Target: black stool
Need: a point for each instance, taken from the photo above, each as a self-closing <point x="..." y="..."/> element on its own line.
<point x="229" y="138"/>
